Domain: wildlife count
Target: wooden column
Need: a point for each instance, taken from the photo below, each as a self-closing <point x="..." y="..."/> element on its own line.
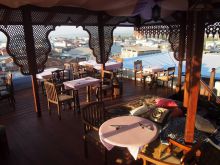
<point x="101" y="48"/>
<point x="181" y="54"/>
<point x="188" y="57"/>
<point x="195" y="73"/>
<point x="211" y="82"/>
<point x="30" y="49"/>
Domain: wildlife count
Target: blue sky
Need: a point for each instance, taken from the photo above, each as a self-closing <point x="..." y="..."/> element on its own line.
<point x="72" y="31"/>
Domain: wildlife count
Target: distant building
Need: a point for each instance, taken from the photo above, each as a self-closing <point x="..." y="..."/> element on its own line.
<point x="134" y="51"/>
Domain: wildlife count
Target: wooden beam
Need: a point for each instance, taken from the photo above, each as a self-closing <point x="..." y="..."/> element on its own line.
<point x="30" y="50"/>
<point x="211" y="82"/>
<point x="195" y="73"/>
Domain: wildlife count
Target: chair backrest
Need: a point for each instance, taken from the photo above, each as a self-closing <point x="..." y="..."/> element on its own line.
<point x="74" y="66"/>
<point x="79" y="59"/>
<point x="171" y="71"/>
<point x="93" y="114"/>
<point x="118" y="59"/>
<point x="138" y="66"/>
<point x="51" y="91"/>
<point x="66" y="66"/>
<point x="6" y="81"/>
<point x="107" y="77"/>
<point x="58" y="76"/>
<point x="90" y="70"/>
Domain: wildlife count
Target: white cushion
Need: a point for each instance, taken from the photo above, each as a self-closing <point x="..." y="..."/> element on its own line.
<point x="139" y="110"/>
<point x="204" y="125"/>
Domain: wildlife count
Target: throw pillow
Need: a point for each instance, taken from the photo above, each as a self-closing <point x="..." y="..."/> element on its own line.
<point x="139" y="110"/>
<point x="166" y="103"/>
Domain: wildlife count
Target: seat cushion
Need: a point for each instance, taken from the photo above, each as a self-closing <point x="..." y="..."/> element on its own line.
<point x="171" y="159"/>
<point x="139" y="110"/>
<point x="64" y="97"/>
<point x="204" y="125"/>
<point x="166" y="103"/>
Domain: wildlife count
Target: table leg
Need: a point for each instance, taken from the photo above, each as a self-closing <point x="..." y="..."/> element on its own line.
<point x="88" y="93"/>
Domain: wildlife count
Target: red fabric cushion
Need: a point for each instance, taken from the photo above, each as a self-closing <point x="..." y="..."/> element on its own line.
<point x="166" y="103"/>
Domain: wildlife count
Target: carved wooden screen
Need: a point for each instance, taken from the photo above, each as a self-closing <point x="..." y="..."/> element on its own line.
<point x="96" y="39"/>
<point x="171" y="32"/>
<point x="213" y="29"/>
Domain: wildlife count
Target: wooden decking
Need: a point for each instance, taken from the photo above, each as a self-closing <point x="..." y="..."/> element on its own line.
<point x="48" y="140"/>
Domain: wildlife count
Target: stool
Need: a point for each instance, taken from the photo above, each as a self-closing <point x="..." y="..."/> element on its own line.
<point x="4" y="149"/>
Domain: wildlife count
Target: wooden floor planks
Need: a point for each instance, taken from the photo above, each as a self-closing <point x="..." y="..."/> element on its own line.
<point x="46" y="140"/>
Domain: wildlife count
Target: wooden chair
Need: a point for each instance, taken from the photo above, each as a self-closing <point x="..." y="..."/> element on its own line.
<point x="77" y="71"/>
<point x="7" y="89"/>
<point x="205" y="152"/>
<point x="138" y="72"/>
<point x="58" y="76"/>
<point x="166" y="76"/>
<point x="107" y="82"/>
<point x="93" y="115"/>
<point x="120" y="70"/>
<point x="58" y="97"/>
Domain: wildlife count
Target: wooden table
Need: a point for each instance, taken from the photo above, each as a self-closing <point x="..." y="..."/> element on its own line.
<point x="46" y="74"/>
<point x="83" y="82"/>
<point x="109" y="65"/>
<point x="131" y="132"/>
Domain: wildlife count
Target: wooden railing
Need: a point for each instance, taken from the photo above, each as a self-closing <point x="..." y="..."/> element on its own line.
<point x="209" y="92"/>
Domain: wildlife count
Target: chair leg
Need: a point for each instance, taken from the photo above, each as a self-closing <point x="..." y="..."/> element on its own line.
<point x="58" y="110"/>
<point x="48" y="105"/>
<point x="69" y="104"/>
<point x="85" y="147"/>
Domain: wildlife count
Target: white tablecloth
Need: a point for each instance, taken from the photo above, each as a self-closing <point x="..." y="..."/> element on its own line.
<point x="82" y="82"/>
<point x="46" y="73"/>
<point x="110" y="65"/>
<point x="130" y="134"/>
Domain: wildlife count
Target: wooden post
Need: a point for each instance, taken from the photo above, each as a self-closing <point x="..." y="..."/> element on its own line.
<point x="179" y="78"/>
<point x="188" y="58"/>
<point x="101" y="48"/>
<point x="30" y="49"/>
<point x="181" y="54"/>
<point x="211" y="82"/>
<point x="195" y="73"/>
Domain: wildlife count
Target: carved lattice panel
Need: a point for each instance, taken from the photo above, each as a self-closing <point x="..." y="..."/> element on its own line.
<point x="213" y="29"/>
<point x="172" y="32"/>
<point x="155" y="31"/>
<point x="174" y="39"/>
<point x="42" y="45"/>
<point x="96" y="39"/>
<point x="16" y="46"/>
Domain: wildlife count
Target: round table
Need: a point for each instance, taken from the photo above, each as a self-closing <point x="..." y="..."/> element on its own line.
<point x="131" y="132"/>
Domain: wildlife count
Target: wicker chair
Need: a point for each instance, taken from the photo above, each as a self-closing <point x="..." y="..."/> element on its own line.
<point x="7" y="89"/>
<point x="166" y="76"/>
<point x="205" y="152"/>
<point x="58" y="97"/>
<point x="93" y="115"/>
